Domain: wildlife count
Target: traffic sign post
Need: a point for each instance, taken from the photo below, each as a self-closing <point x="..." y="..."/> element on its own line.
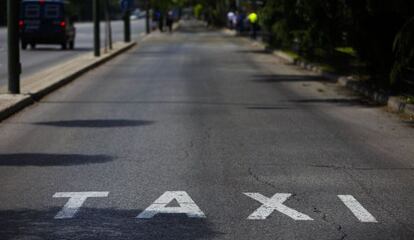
<point x="127" y="25"/>
<point x="96" y="22"/>
<point x="126" y="6"/>
<point x="147" y="16"/>
<point x="14" y="66"/>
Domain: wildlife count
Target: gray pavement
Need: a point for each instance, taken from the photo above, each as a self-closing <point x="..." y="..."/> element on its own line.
<point x="222" y="122"/>
<point x="46" y="56"/>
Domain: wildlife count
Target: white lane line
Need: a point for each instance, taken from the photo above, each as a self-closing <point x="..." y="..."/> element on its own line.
<point x="357" y="209"/>
<point x="275" y="203"/>
<point x="75" y="202"/>
<point x="186" y="206"/>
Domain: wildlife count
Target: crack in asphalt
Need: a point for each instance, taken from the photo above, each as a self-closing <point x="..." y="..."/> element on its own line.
<point x="294" y="196"/>
<point x="336" y="226"/>
<point x="258" y="179"/>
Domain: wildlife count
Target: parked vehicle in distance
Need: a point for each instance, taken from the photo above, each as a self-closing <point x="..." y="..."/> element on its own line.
<point x="138" y="14"/>
<point x="46" y="22"/>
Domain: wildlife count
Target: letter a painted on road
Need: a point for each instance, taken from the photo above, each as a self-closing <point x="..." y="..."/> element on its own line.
<point x="186" y="206"/>
<point x="275" y="203"/>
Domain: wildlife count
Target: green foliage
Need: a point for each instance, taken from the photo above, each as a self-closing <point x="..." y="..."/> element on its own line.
<point x="3" y="13"/>
<point x="404" y="52"/>
<point x="198" y="10"/>
<point x="368" y="27"/>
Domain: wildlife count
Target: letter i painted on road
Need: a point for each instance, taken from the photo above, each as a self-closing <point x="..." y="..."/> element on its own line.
<point x="186" y="206"/>
<point x="357" y="209"/>
<point x="75" y="202"/>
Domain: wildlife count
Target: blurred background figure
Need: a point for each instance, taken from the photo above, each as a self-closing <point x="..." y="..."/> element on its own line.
<point x="170" y="20"/>
<point x="155" y="19"/>
<point x="230" y="19"/>
<point x="241" y="17"/>
<point x="253" y="19"/>
<point x="161" y="21"/>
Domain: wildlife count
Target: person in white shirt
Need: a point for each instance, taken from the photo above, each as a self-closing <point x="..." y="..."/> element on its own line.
<point x="230" y="19"/>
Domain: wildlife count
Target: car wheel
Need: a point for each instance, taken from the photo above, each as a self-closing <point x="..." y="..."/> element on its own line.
<point x="33" y="45"/>
<point x="24" y="45"/>
<point x="64" y="46"/>
<point x="72" y="45"/>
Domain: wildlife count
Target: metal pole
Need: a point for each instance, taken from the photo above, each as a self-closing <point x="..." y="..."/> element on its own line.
<point x="109" y="26"/>
<point x="147" y="17"/>
<point x="14" y="66"/>
<point x="106" y="41"/>
<point x="127" y="25"/>
<point x="96" y="22"/>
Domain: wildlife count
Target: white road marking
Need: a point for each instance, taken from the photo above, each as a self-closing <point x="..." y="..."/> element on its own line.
<point x="186" y="206"/>
<point x="75" y="202"/>
<point x="272" y="204"/>
<point x="357" y="209"/>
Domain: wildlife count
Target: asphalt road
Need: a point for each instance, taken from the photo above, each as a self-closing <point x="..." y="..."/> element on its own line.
<point x="206" y="125"/>
<point x="46" y="56"/>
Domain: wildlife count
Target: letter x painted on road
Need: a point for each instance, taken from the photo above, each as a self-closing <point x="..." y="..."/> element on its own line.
<point x="269" y="205"/>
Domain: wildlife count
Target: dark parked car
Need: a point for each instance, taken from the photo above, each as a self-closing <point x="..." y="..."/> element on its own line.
<point x="46" y="22"/>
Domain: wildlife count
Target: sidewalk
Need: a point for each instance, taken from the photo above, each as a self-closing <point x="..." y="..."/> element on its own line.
<point x="40" y="84"/>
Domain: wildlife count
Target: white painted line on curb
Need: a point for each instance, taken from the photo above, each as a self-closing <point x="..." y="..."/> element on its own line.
<point x="186" y="206"/>
<point x="272" y="204"/>
<point x="75" y="202"/>
<point x="357" y="209"/>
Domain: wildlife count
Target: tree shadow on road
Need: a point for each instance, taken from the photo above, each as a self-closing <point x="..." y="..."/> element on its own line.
<point x="101" y="224"/>
<point x="287" y="78"/>
<point x="96" y="123"/>
<point x="268" y="108"/>
<point x="41" y="159"/>
<point x="58" y="49"/>
<point x="340" y="101"/>
<point x="410" y="123"/>
<point x="253" y="51"/>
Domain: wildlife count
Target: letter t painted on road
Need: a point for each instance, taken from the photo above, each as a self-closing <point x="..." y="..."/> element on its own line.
<point x="75" y="202"/>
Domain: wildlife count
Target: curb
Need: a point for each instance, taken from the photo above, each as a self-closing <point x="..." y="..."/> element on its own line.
<point x="393" y="103"/>
<point x="11" y="104"/>
<point x="14" y="104"/>
<point x="43" y="91"/>
<point x="396" y="104"/>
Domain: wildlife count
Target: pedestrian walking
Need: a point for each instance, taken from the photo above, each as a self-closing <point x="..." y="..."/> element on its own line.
<point x="155" y="19"/>
<point x="161" y="22"/>
<point x="241" y="17"/>
<point x="230" y="19"/>
<point x="235" y="20"/>
<point x="170" y="21"/>
<point x="253" y="21"/>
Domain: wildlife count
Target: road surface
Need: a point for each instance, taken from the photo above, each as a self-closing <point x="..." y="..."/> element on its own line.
<point x="199" y="135"/>
<point x="46" y="56"/>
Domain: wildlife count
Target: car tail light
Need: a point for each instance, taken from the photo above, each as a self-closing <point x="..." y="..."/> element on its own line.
<point x="62" y="24"/>
<point x="21" y="23"/>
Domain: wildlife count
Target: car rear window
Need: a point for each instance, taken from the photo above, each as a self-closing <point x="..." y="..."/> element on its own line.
<point x="32" y="11"/>
<point x="52" y="11"/>
<point x="37" y="11"/>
